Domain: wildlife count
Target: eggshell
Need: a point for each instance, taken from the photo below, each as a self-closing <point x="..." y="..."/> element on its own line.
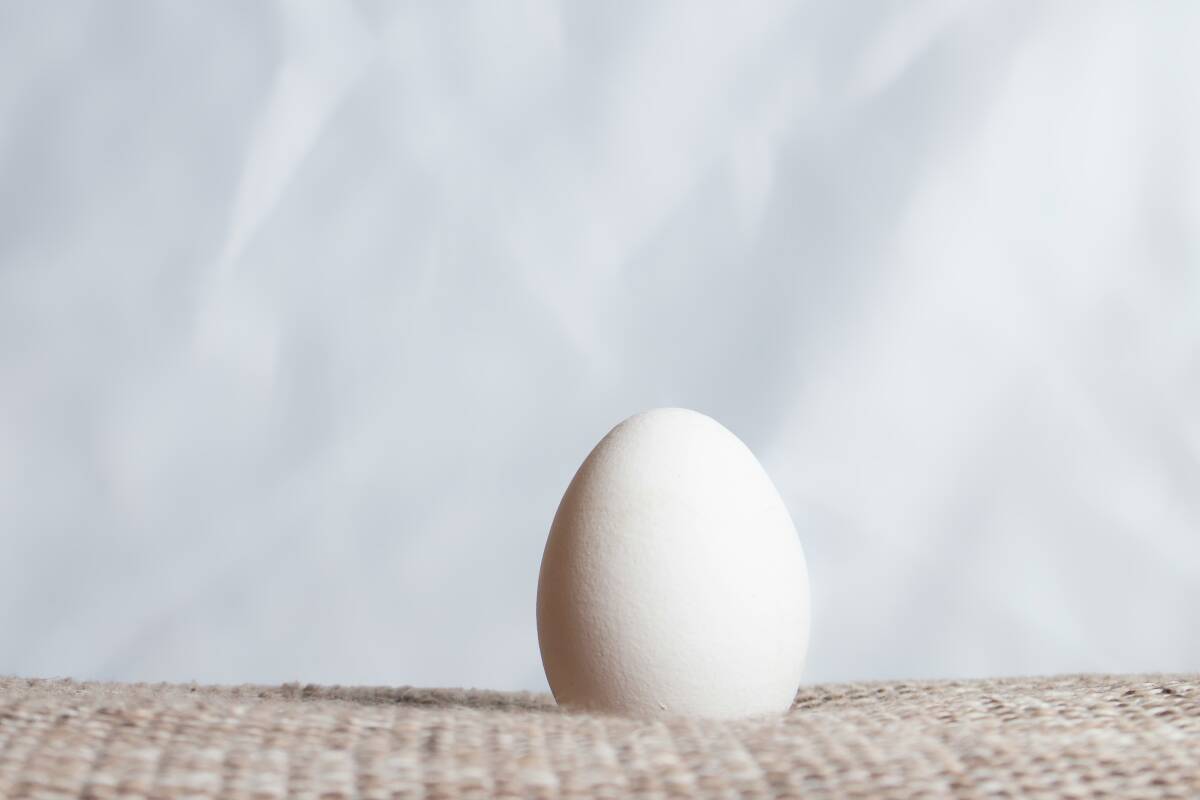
<point x="673" y="581"/>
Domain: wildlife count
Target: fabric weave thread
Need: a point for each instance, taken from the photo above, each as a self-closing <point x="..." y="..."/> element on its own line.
<point x="1068" y="736"/>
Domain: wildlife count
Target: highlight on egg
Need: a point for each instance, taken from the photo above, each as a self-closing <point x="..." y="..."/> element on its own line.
<point x="673" y="580"/>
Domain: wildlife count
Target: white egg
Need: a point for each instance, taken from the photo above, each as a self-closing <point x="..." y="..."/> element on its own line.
<point x="673" y="581"/>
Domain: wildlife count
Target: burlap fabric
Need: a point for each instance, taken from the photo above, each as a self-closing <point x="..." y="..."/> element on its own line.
<point x="1047" y="737"/>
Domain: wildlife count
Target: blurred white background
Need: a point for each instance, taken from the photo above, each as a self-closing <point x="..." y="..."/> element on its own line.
<point x="308" y="313"/>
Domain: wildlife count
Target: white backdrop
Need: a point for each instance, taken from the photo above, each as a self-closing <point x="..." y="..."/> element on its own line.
<point x="308" y="313"/>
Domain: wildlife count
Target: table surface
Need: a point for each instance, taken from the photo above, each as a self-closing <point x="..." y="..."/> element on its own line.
<point x="1065" y="736"/>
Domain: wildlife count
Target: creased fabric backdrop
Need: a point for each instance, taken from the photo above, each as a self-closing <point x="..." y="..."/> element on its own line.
<point x="308" y="313"/>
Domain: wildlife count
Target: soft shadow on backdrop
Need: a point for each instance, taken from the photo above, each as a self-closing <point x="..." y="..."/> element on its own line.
<point x="308" y="312"/>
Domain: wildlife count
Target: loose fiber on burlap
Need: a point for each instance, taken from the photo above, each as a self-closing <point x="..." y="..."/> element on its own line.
<point x="1049" y="737"/>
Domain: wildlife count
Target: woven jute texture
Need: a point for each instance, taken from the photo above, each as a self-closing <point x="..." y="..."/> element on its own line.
<point x="1078" y="736"/>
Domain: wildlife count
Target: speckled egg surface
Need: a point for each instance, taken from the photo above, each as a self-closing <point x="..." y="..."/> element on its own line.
<point x="673" y="581"/>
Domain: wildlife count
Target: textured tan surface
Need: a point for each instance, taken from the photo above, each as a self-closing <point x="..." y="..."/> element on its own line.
<point x="1051" y="737"/>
